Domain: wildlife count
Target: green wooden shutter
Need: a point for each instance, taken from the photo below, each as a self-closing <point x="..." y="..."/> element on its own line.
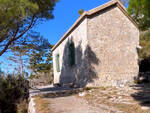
<point x="57" y="63"/>
<point x="71" y="54"/>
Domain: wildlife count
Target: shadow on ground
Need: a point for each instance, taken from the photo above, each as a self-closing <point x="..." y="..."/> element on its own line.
<point x="142" y="94"/>
<point x="74" y="74"/>
<point x="54" y="92"/>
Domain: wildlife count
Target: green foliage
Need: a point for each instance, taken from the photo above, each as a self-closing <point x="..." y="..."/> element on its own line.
<point x="139" y="10"/>
<point x="144" y="53"/>
<point x="40" y="59"/>
<point x="81" y="11"/>
<point x="13" y="89"/>
<point x="145" y="43"/>
<point x="136" y="82"/>
<point x="17" y="11"/>
<point x="19" y="16"/>
<point x="32" y="53"/>
<point x="18" y="53"/>
<point x="32" y="76"/>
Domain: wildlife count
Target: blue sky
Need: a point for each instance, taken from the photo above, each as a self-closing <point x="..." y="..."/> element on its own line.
<point x="65" y="14"/>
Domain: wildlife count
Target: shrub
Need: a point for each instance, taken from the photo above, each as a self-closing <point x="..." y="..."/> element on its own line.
<point x="12" y="90"/>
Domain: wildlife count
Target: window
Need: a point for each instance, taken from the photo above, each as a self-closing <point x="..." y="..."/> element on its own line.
<point x="57" y="63"/>
<point x="71" y="54"/>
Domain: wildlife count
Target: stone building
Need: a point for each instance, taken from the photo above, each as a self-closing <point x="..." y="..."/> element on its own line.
<point x="100" y="49"/>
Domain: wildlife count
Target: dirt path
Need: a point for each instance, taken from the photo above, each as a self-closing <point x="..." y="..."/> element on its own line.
<point x="129" y="99"/>
<point x="73" y="104"/>
<point x="59" y="102"/>
<point x="63" y="103"/>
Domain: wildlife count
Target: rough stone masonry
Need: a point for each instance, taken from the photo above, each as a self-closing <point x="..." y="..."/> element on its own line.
<point x="106" y="40"/>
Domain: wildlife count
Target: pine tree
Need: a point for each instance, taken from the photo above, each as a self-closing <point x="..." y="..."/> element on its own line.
<point x="140" y="11"/>
<point x="19" y="16"/>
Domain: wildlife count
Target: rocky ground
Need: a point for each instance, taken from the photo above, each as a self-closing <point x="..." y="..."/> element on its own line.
<point x="134" y="99"/>
<point x="69" y="104"/>
<point x="128" y="99"/>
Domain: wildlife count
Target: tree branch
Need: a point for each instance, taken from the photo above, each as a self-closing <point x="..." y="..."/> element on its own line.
<point x="30" y="25"/>
<point x="3" y="37"/>
<point x="14" y="38"/>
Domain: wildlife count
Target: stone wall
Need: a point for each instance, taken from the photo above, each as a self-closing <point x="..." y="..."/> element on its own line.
<point x="114" y="40"/>
<point x="105" y="51"/>
<point x="31" y="106"/>
<point x="78" y="72"/>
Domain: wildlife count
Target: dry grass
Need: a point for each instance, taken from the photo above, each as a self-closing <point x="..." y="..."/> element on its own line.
<point x="99" y="98"/>
<point x="130" y="108"/>
<point x="22" y="107"/>
<point x="126" y="108"/>
<point x="91" y="88"/>
<point x="42" y="105"/>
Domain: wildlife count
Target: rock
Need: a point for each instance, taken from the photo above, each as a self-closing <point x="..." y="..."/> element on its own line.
<point x="31" y="106"/>
<point x="121" y="85"/>
<point x="120" y="97"/>
<point x="145" y="108"/>
<point x="111" y="99"/>
<point x="90" y="91"/>
<point x="81" y="94"/>
<point x="129" y="103"/>
<point x="118" y="93"/>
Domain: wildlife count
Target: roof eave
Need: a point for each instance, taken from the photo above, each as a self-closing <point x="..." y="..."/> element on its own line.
<point x="91" y="12"/>
<point x="70" y="30"/>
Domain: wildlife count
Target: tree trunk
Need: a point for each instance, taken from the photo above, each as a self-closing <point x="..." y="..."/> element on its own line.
<point x="21" y="64"/>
